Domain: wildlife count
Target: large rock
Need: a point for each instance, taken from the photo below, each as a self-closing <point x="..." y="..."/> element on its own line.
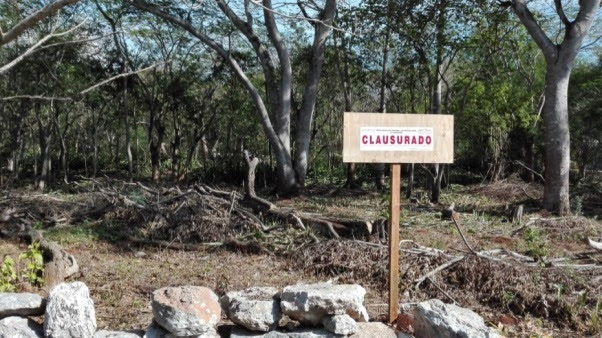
<point x="21" y="304"/>
<point x="340" y="324"/>
<point x="311" y="303"/>
<point x="117" y="334"/>
<point x="433" y="318"/>
<point x="373" y="329"/>
<point x="70" y="312"/>
<point x="304" y="333"/>
<point x="187" y="310"/>
<point x="257" y="309"/>
<point x="12" y="327"/>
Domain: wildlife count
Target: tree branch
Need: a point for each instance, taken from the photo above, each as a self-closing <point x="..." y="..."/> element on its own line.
<point x="561" y="15"/>
<point x="548" y="48"/>
<point x="33" y="19"/>
<point x="35" y="47"/>
<point x="225" y="55"/>
<point x="83" y="92"/>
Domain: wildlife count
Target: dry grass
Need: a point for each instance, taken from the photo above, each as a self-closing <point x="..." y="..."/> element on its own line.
<point x="122" y="276"/>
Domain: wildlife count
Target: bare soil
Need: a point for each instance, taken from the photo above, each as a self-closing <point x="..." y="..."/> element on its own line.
<point x="519" y="299"/>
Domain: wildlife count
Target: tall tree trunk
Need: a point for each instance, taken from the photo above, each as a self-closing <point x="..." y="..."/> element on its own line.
<point x="530" y="159"/>
<point x="558" y="142"/>
<point x="379" y="169"/>
<point x="343" y="69"/>
<point x="126" y="125"/>
<point x="559" y="60"/>
<point x="436" y="104"/>
<point x="310" y="94"/>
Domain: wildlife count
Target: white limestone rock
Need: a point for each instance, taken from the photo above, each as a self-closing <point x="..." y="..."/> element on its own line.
<point x="311" y="303"/>
<point x="186" y="310"/>
<point x="340" y="324"/>
<point x="433" y="318"/>
<point x="21" y="304"/>
<point x="257" y="309"/>
<point x="12" y="327"/>
<point x="70" y="312"/>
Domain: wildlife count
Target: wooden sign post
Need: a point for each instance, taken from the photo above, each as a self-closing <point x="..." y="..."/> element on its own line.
<point x="396" y="139"/>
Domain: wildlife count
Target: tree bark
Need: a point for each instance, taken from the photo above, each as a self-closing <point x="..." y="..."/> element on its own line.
<point x="33" y="19"/>
<point x="310" y="94"/>
<point x="250" y="181"/>
<point x="379" y="169"/>
<point x="558" y="143"/>
<point x="559" y="60"/>
<point x="410" y="188"/>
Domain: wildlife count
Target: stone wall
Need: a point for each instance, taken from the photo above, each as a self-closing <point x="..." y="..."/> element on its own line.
<point x="297" y="311"/>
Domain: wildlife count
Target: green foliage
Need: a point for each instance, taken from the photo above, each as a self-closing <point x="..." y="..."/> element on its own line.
<point x="536" y="246"/>
<point x="595" y="321"/>
<point x="34" y="268"/>
<point x="30" y="268"/>
<point x="8" y="275"/>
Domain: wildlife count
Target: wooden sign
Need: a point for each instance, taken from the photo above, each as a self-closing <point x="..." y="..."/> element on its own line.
<point x="395" y="139"/>
<point x="398" y="138"/>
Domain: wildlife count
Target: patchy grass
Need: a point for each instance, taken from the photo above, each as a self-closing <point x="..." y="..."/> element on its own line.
<point x="548" y="301"/>
<point x="85" y="233"/>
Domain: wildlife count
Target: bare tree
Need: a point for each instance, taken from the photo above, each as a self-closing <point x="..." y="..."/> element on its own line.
<point x="560" y="58"/>
<point x="275" y="116"/>
<point x="32" y="20"/>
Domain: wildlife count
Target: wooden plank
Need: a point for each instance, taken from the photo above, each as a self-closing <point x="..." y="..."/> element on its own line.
<point x="401" y="144"/>
<point x="394" y="241"/>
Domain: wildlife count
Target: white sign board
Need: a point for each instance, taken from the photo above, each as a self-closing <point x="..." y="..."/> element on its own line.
<point x="398" y="138"/>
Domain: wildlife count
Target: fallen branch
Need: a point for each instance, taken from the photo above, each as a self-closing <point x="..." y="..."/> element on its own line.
<point x="454" y="218"/>
<point x="442" y="291"/>
<point x="438" y="269"/>
<point x="531" y="170"/>
<point x="174" y="246"/>
<point x="594" y="244"/>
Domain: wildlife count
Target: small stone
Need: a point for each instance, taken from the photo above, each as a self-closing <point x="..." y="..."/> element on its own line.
<point x="257" y="309"/>
<point x="21" y="304"/>
<point x="154" y="330"/>
<point x="340" y="324"/>
<point x="117" y="334"/>
<point x="70" y="312"/>
<point x="508" y="320"/>
<point x="404" y="323"/>
<point x="304" y="333"/>
<point x="140" y="254"/>
<point x="372" y="330"/>
<point x="13" y="327"/>
<point x="186" y="310"/>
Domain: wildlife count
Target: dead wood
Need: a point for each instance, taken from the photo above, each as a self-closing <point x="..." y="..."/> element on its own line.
<point x="174" y="246"/>
<point x="454" y="218"/>
<point x="517" y="216"/>
<point x="58" y="264"/>
<point x="448" y="212"/>
<point x="594" y="244"/>
<point x="250" y="180"/>
<point x="437" y="270"/>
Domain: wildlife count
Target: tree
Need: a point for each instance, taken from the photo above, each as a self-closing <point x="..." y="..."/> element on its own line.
<point x="560" y="58"/>
<point x="32" y="20"/>
<point x="275" y="117"/>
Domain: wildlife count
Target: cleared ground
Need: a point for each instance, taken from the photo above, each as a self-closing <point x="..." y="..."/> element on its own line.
<point x="543" y="293"/>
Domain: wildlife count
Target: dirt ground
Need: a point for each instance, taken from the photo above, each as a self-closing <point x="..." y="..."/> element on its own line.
<point x="521" y="298"/>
